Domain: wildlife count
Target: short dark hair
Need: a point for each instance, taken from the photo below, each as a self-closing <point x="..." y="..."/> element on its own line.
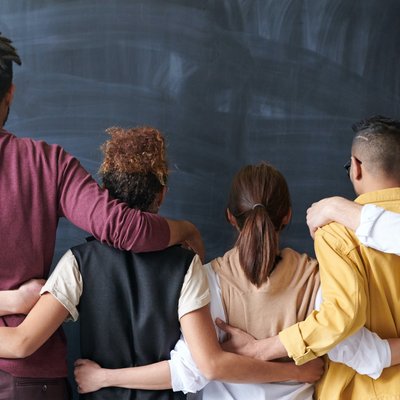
<point x="8" y="55"/>
<point x="377" y="142"/>
<point x="134" y="168"/>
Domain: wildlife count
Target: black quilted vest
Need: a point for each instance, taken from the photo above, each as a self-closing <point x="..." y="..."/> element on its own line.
<point x="128" y="310"/>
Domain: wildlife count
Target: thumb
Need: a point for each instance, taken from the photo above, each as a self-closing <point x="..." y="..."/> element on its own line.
<point x="223" y="325"/>
<point x="80" y="361"/>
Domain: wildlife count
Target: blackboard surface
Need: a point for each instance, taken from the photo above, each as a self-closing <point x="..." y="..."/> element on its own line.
<point x="229" y="82"/>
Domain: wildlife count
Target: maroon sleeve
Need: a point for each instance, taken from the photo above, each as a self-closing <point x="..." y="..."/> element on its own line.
<point x="86" y="205"/>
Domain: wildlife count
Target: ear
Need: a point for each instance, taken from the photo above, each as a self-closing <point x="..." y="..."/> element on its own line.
<point x="356" y="170"/>
<point x="10" y="95"/>
<point x="161" y="196"/>
<point x="286" y="219"/>
<point x="230" y="217"/>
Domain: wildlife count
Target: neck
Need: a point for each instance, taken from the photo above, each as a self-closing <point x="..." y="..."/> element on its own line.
<point x="4" y="110"/>
<point x="381" y="183"/>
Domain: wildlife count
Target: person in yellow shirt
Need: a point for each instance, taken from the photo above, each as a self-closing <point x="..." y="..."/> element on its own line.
<point x="360" y="285"/>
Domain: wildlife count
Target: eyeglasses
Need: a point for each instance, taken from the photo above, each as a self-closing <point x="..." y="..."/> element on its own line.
<point x="347" y="167"/>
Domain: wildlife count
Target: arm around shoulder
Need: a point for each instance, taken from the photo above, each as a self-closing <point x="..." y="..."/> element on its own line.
<point x="42" y="321"/>
<point x="343" y="311"/>
<point x="336" y="209"/>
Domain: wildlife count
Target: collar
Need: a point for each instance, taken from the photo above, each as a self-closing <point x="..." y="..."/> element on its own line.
<point x="392" y="194"/>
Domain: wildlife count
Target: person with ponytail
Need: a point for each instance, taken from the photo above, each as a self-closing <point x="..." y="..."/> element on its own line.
<point x="256" y="286"/>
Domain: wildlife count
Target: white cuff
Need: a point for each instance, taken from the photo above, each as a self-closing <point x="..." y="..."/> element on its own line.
<point x="365" y="352"/>
<point x="185" y="376"/>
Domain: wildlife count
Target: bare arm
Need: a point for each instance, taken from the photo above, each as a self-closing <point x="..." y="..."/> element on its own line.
<point x="184" y="232"/>
<point x="336" y="209"/>
<point x="42" y="321"/>
<point x="241" y="342"/>
<point x="395" y="350"/>
<point x="212" y="361"/>
<point x="216" y="364"/>
<point x="90" y="376"/>
<point x="21" y="300"/>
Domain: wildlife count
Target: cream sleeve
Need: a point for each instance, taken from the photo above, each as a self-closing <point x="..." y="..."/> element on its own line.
<point x="195" y="293"/>
<point x="65" y="284"/>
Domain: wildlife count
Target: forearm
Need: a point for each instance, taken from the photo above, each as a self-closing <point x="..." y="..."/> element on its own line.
<point x="216" y="364"/>
<point x="337" y="209"/>
<point x="91" y="208"/>
<point x="42" y="321"/>
<point x="150" y="377"/>
<point x="263" y="349"/>
<point x="184" y="232"/>
<point x="395" y="351"/>
<point x="9" y="302"/>
<point x="269" y="349"/>
<point x="21" y="300"/>
<point x="90" y="377"/>
<point x="344" y="212"/>
<point x="11" y="343"/>
<point x="231" y="367"/>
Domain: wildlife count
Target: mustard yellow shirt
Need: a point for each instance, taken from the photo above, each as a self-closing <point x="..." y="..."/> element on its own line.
<point x="360" y="286"/>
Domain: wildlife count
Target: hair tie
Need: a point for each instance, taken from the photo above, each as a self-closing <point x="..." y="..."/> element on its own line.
<point x="257" y="205"/>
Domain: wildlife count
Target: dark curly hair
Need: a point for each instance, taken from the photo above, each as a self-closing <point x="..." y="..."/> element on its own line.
<point x="135" y="168"/>
<point x="8" y="55"/>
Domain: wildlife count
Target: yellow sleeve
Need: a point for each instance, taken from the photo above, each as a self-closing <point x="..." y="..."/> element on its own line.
<point x="343" y="310"/>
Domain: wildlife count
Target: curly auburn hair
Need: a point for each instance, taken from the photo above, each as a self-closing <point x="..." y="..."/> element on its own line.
<point x="134" y="167"/>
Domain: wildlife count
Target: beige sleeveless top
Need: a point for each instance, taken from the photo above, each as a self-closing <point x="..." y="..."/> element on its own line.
<point x="286" y="298"/>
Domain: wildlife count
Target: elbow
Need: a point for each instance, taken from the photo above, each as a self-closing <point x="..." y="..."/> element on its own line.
<point x="23" y="352"/>
<point x="211" y="369"/>
<point x="20" y="347"/>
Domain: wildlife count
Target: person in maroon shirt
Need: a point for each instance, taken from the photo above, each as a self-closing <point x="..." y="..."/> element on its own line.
<point x="39" y="183"/>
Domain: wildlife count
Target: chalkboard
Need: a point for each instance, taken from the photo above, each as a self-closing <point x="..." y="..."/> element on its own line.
<point x="229" y="82"/>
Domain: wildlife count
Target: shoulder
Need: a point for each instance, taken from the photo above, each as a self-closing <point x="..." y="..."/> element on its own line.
<point x="337" y="237"/>
<point x="298" y="260"/>
<point x="178" y="250"/>
<point x="227" y="261"/>
<point x="38" y="151"/>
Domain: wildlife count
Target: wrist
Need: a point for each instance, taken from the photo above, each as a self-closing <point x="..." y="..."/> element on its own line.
<point x="334" y="207"/>
<point x="14" y="302"/>
<point x="105" y="377"/>
<point x="268" y="349"/>
<point x="260" y="350"/>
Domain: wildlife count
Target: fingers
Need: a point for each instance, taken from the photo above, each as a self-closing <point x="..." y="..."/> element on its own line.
<point x="81" y="361"/>
<point x="224" y="326"/>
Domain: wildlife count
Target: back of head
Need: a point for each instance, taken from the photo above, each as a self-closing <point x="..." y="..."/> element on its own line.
<point x="8" y="55"/>
<point x="259" y="200"/>
<point x="377" y="145"/>
<point x="135" y="169"/>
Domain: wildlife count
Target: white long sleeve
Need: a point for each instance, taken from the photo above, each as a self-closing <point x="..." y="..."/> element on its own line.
<point x="364" y="351"/>
<point x="379" y="229"/>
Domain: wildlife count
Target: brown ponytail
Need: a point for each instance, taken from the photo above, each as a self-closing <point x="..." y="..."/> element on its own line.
<point x="259" y="200"/>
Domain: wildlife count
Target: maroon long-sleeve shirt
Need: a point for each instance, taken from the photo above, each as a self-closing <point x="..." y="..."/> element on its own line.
<point x="39" y="183"/>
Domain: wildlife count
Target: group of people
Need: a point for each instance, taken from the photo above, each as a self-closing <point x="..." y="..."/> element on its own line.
<point x="155" y="323"/>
